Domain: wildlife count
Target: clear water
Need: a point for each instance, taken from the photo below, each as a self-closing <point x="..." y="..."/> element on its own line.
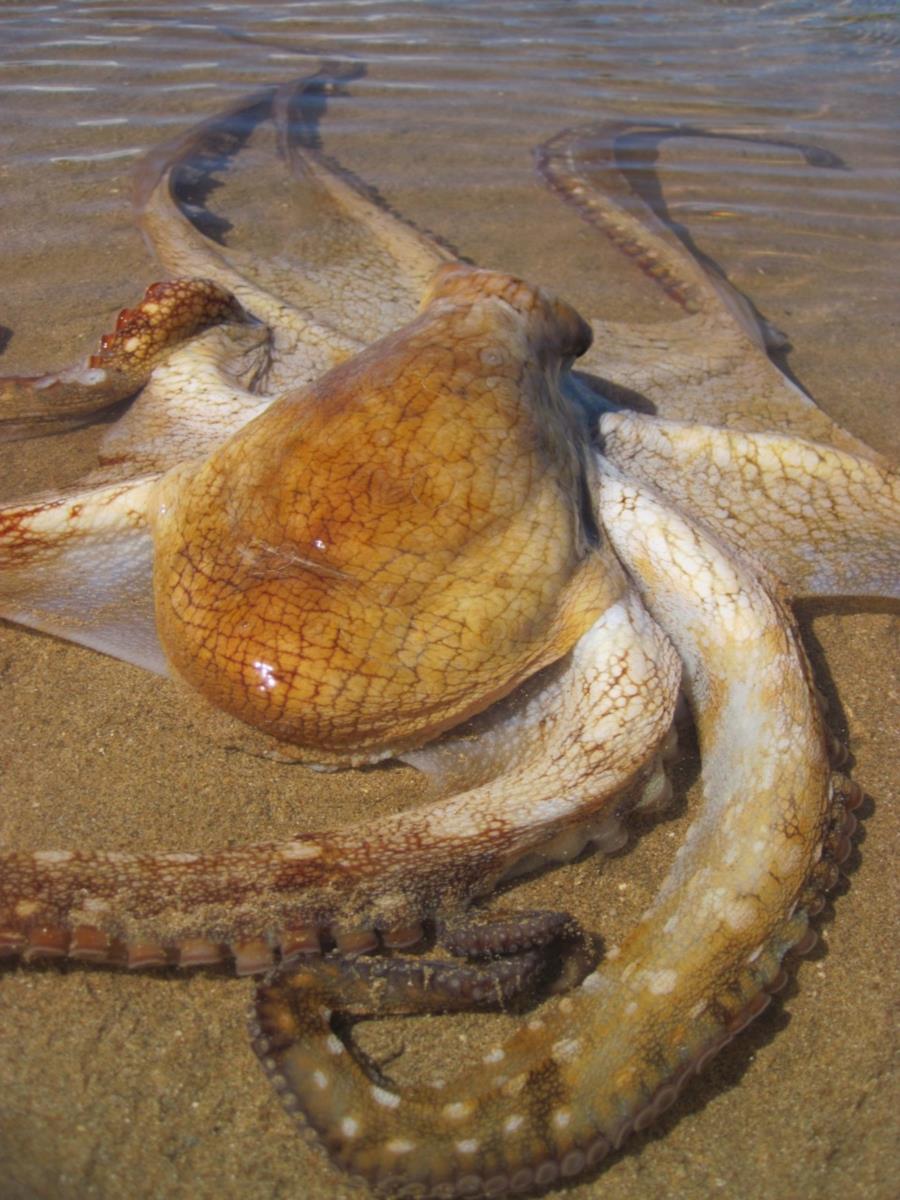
<point x="454" y="97"/>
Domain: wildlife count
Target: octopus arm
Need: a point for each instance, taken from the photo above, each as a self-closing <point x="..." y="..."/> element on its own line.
<point x="347" y="271"/>
<point x="204" y="392"/>
<point x="823" y="521"/>
<point x="80" y="566"/>
<point x="712" y="364"/>
<point x="583" y="167"/>
<point x="169" y="315"/>
<point x="415" y="256"/>
<point x="605" y="171"/>
<point x="576" y="1080"/>
<point x="593" y="730"/>
<point x="412" y="986"/>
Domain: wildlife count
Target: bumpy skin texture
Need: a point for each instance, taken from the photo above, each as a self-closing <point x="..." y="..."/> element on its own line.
<point x="170" y="314"/>
<point x="555" y="1098"/>
<point x="381" y="554"/>
<point x="422" y="532"/>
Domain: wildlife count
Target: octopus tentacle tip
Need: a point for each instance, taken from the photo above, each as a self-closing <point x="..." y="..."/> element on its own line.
<point x="170" y="312"/>
<point x="372" y="520"/>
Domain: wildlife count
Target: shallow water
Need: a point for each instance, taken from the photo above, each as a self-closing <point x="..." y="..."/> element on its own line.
<point x="114" y="1085"/>
<point x="455" y="97"/>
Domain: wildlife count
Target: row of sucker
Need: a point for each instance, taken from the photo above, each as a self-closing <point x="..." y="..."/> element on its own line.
<point x="468" y="934"/>
<point x="385" y="876"/>
<point x="170" y="314"/>
<point x="580" y="1076"/>
<point x="306" y="1004"/>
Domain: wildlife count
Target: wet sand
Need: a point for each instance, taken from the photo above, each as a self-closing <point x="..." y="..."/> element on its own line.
<point x="114" y="1084"/>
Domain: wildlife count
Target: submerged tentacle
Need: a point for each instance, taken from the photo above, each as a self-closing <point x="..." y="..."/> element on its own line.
<point x="349" y="272"/>
<point x="589" y="733"/>
<point x="822" y="521"/>
<point x="581" y="167"/>
<point x="551" y="1102"/>
<point x="587" y="168"/>
<point x="310" y="345"/>
<point x="415" y="255"/>
<point x="169" y="315"/>
<point x="713" y="364"/>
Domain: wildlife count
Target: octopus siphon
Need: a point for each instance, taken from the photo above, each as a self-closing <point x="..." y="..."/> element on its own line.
<point x="392" y="520"/>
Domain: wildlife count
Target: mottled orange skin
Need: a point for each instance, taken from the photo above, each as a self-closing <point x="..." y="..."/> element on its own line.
<point x="170" y="314"/>
<point x="385" y="552"/>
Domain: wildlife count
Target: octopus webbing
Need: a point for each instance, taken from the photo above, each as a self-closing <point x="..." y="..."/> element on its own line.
<point x="389" y="521"/>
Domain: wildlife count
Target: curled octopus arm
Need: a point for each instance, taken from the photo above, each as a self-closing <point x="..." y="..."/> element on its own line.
<point x="169" y="315"/>
<point x="593" y="730"/>
<point x="603" y="1061"/>
<point x="711" y="363"/>
<point x="348" y="271"/>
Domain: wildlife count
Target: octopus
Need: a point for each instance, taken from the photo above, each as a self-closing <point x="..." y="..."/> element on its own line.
<point x="391" y="520"/>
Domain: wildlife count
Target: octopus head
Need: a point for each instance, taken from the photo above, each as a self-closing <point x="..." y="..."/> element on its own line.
<point x="386" y="552"/>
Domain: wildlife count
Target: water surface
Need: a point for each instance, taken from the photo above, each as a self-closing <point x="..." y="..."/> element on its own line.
<point x="455" y="97"/>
